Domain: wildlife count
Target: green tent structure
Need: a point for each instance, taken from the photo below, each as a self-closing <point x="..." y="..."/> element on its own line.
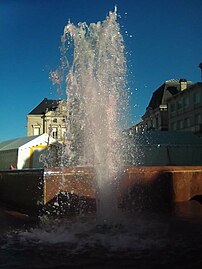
<point x="158" y="148"/>
<point x="24" y="152"/>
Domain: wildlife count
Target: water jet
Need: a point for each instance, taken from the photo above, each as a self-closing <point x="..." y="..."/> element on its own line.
<point x="92" y="176"/>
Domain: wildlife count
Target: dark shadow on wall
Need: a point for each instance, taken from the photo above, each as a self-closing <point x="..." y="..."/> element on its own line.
<point x="197" y="198"/>
<point x="153" y="194"/>
<point x="147" y="190"/>
<point x="22" y="190"/>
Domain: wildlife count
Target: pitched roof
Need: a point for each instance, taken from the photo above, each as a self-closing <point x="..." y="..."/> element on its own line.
<point x="44" y="106"/>
<point x="15" y="143"/>
<point x="160" y="96"/>
<point x="194" y="85"/>
<point x="157" y="97"/>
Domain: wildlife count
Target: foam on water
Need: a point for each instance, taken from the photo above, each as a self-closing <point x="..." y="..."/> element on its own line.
<point x="138" y="242"/>
<point x="81" y="235"/>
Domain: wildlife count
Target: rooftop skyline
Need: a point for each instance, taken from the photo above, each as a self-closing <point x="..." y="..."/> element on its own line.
<point x="162" y="41"/>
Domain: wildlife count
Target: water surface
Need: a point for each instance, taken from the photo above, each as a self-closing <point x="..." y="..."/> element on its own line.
<point x="140" y="240"/>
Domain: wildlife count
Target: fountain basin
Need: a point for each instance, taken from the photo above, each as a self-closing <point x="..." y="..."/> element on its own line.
<point x="136" y="187"/>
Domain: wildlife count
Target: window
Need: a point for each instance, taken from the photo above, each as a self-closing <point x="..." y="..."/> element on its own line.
<point x="186" y="122"/>
<point x="172" y="107"/>
<point x="197" y="98"/>
<point x="157" y="122"/>
<point x="186" y="101"/>
<point x="198" y="119"/>
<point x="173" y="126"/>
<point x="36" y="130"/>
<point x="64" y="133"/>
<point x="179" y="104"/>
<point x="55" y="120"/>
<point x="179" y="124"/>
<point x="55" y="132"/>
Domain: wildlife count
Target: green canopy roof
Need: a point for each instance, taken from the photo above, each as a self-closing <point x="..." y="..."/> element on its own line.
<point x="166" y="138"/>
<point x="15" y="143"/>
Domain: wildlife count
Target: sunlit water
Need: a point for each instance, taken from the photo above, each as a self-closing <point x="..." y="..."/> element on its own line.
<point x="93" y="69"/>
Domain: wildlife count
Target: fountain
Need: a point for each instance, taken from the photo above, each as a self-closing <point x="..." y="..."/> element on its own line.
<point x="91" y="169"/>
<point x="95" y="83"/>
<point x="93" y="175"/>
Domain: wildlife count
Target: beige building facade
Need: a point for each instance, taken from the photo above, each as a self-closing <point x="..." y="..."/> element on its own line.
<point x="185" y="110"/>
<point x="156" y="115"/>
<point x="175" y="106"/>
<point x="50" y="117"/>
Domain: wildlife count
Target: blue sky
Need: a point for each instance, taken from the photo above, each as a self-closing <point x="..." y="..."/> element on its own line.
<point x="163" y="40"/>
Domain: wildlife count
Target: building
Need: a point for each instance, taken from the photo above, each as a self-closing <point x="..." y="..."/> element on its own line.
<point x="156" y="115"/>
<point x="185" y="110"/>
<point x="175" y="106"/>
<point x="49" y="117"/>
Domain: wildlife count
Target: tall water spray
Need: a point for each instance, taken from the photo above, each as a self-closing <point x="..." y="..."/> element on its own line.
<point x="95" y="77"/>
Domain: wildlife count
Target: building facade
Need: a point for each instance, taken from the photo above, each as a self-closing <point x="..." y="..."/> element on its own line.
<point x="185" y="110"/>
<point x="156" y="116"/>
<point x="50" y="117"/>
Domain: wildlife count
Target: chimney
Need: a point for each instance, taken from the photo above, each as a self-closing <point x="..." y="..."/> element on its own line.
<point x="183" y="84"/>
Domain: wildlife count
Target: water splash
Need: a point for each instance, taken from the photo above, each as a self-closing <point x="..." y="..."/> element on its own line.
<point x="93" y="66"/>
<point x="80" y="235"/>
